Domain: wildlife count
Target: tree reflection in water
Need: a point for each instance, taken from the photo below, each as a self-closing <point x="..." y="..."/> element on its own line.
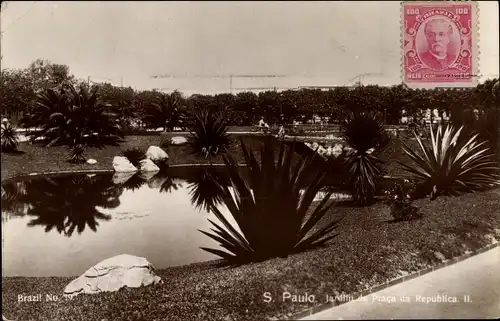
<point x="204" y="188"/>
<point x="13" y="199"/>
<point x="69" y="203"/>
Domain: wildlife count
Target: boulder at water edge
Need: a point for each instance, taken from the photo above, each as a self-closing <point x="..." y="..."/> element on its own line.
<point x="91" y="161"/>
<point x="122" y="165"/>
<point x="147" y="165"/>
<point x="112" y="274"/>
<point x="156" y="154"/>
<point x="178" y="140"/>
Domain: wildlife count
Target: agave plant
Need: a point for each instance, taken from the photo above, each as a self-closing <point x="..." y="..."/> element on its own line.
<point x="364" y="132"/>
<point x="9" y="137"/>
<point x="275" y="197"/>
<point x="76" y="154"/>
<point x="452" y="163"/>
<point x="208" y="133"/>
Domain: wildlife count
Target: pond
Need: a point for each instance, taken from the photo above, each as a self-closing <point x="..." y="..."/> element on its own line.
<point x="60" y="225"/>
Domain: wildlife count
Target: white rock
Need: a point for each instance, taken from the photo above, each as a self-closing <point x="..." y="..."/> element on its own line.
<point x="122" y="178"/>
<point x="315" y="145"/>
<point x="370" y="150"/>
<point x="156" y="154"/>
<point x="178" y="140"/>
<point x="121" y="164"/>
<point x="147" y="165"/>
<point x="113" y="274"/>
<point x="91" y="161"/>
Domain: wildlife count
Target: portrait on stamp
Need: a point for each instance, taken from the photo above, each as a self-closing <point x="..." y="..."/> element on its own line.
<point x="439" y="41"/>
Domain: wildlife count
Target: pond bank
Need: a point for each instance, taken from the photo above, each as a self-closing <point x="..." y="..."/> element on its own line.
<point x="369" y="251"/>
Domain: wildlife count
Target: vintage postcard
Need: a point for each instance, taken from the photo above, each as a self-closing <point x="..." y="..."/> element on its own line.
<point x="440" y="43"/>
<point x="245" y="160"/>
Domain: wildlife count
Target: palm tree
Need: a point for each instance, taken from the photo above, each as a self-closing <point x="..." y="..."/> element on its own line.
<point x="165" y="112"/>
<point x="70" y="117"/>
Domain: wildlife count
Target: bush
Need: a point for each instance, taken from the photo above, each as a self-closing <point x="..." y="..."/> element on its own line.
<point x="134" y="155"/>
<point x="364" y="132"/>
<point x="9" y="139"/>
<point x="399" y="199"/>
<point x="273" y="197"/>
<point x="451" y="164"/>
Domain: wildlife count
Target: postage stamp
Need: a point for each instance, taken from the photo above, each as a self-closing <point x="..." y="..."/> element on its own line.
<point x="440" y="43"/>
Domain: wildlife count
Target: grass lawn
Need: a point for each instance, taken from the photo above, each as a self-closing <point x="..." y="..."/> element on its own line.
<point x="36" y="158"/>
<point x="368" y="250"/>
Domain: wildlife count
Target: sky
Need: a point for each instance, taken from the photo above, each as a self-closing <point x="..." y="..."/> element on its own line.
<point x="312" y="43"/>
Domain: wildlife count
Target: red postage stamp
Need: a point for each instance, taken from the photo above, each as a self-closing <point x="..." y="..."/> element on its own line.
<point x="440" y="44"/>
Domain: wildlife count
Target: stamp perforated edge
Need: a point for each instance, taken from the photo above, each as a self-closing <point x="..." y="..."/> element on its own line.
<point x="475" y="47"/>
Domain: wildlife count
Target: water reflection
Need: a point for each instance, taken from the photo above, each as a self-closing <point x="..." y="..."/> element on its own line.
<point x="204" y="188"/>
<point x="65" y="204"/>
<point x="69" y="204"/>
<point x="202" y="184"/>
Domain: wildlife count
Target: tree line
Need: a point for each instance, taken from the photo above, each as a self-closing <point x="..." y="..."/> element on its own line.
<point x="20" y="90"/>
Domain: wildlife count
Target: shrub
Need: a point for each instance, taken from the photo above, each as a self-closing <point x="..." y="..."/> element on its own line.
<point x="451" y="164"/>
<point x="76" y="154"/>
<point x="9" y="139"/>
<point x="274" y="197"/>
<point x="399" y="199"/>
<point x="134" y="155"/>
<point x="208" y="133"/>
<point x="364" y="132"/>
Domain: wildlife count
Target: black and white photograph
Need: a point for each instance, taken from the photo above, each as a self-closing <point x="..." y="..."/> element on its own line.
<point x="250" y="160"/>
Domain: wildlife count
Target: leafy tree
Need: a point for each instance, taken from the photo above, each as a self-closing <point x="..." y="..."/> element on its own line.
<point x="120" y="102"/>
<point x="16" y="93"/>
<point x="47" y="75"/>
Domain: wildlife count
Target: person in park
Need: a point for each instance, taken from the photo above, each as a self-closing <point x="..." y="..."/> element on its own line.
<point x="263" y="125"/>
<point x="281" y="132"/>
